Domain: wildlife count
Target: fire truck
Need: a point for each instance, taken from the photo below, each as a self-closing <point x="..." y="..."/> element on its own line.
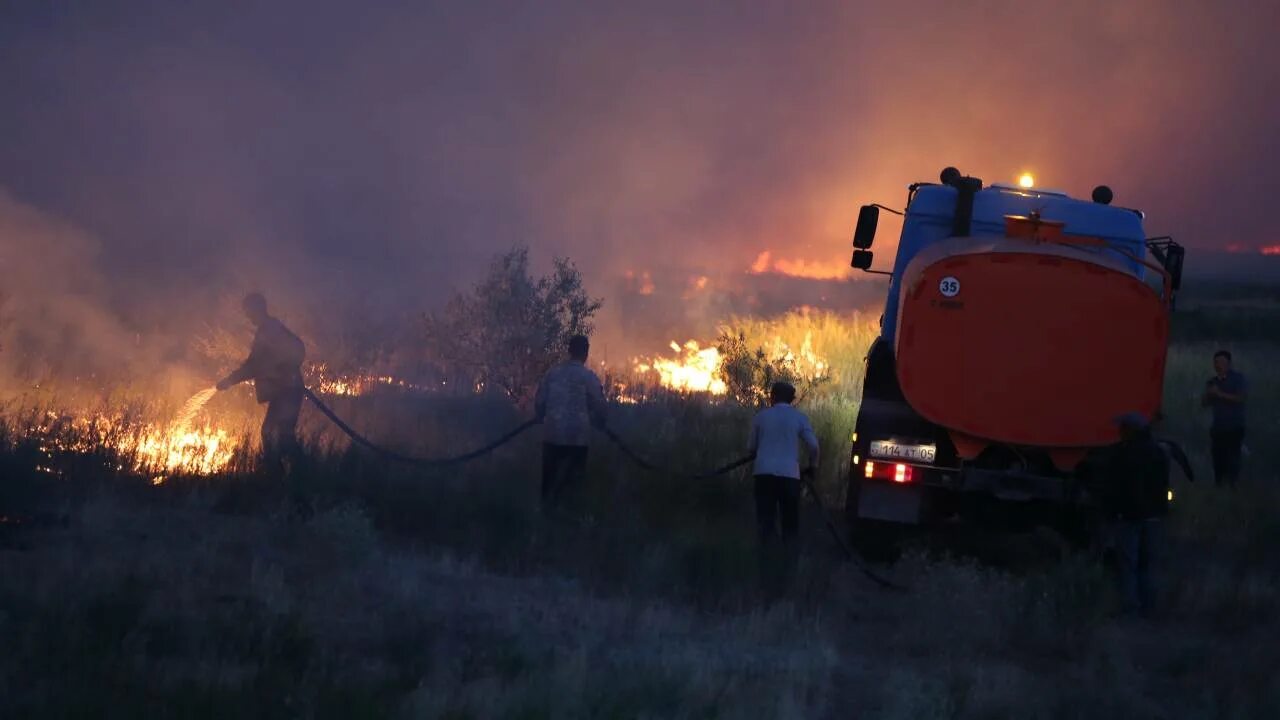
<point x="1018" y="324"/>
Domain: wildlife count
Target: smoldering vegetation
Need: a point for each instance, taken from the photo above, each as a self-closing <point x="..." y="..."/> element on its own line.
<point x="363" y="588"/>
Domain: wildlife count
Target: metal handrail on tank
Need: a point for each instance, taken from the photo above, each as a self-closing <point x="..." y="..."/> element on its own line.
<point x="1023" y="227"/>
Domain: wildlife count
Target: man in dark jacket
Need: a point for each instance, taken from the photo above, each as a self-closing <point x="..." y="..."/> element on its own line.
<point x="1225" y="393"/>
<point x="275" y="367"/>
<point x="1137" y="500"/>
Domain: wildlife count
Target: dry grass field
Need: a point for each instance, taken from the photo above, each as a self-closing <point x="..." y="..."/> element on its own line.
<point x="364" y="589"/>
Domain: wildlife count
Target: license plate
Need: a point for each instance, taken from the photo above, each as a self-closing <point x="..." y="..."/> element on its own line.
<point x="900" y="451"/>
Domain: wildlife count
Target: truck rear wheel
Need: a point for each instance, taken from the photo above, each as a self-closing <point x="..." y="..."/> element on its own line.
<point x="874" y="540"/>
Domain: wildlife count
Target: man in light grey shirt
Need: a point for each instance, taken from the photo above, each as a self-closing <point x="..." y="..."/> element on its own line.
<point x="570" y="402"/>
<point x="776" y="436"/>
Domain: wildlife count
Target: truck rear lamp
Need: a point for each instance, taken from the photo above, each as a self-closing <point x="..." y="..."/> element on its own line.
<point x="897" y="472"/>
<point x="901" y="473"/>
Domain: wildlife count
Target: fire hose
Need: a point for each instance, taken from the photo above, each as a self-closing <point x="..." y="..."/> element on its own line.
<point x="806" y="480"/>
<point x="361" y="440"/>
<point x="647" y="465"/>
<point x="635" y="457"/>
<point x="408" y="459"/>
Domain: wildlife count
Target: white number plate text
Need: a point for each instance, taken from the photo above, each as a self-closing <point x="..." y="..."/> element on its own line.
<point x="898" y="451"/>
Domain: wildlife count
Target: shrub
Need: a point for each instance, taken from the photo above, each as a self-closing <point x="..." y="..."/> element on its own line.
<point x="511" y="327"/>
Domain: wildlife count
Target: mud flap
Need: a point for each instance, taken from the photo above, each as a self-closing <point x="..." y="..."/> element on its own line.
<point x="890" y="503"/>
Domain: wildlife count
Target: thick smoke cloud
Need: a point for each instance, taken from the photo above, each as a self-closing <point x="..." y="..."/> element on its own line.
<point x="372" y="156"/>
<point x="51" y="315"/>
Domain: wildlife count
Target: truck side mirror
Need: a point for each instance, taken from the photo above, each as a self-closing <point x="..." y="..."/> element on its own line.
<point x="862" y="259"/>
<point x="865" y="233"/>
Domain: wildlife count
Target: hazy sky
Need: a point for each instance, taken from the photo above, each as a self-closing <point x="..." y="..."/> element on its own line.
<point x="387" y="149"/>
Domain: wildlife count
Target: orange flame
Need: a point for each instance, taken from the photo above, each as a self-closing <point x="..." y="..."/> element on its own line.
<point x="809" y="269"/>
<point x="352" y="385"/>
<point x="693" y="369"/>
<point x="158" y="449"/>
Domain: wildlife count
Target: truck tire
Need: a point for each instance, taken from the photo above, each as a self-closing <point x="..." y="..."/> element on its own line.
<point x="874" y="540"/>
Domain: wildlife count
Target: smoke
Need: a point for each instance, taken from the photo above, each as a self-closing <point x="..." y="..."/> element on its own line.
<point x="360" y="163"/>
<point x="52" y="319"/>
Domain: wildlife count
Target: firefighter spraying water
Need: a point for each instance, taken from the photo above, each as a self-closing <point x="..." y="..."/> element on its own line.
<point x="275" y="367"/>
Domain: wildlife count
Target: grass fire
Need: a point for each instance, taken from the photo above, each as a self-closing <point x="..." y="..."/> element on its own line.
<point x="638" y="360"/>
<point x="361" y="518"/>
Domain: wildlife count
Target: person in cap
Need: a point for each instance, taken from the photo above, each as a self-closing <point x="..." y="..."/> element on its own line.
<point x="1136" y="501"/>
<point x="569" y="403"/>
<point x="275" y="367"/>
<point x="1225" y="393"/>
<point x="777" y="433"/>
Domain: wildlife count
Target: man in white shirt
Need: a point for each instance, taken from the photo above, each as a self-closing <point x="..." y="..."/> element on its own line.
<point x="570" y="401"/>
<point x="776" y="436"/>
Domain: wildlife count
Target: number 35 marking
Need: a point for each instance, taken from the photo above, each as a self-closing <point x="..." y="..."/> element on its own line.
<point x="949" y="287"/>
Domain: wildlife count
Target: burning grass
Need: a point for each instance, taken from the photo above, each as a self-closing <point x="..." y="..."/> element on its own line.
<point x="823" y="351"/>
<point x="184" y="445"/>
<point x="324" y="381"/>
<point x="692" y="369"/>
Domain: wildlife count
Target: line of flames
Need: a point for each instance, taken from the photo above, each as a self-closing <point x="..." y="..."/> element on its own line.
<point x="181" y="446"/>
<point x="184" y="447"/>
<point x="324" y="382"/>
<point x="158" y="450"/>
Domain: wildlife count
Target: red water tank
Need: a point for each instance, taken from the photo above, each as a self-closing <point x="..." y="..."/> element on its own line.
<point x="1033" y="344"/>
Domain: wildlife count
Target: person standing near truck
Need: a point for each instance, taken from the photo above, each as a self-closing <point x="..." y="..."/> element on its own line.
<point x="1136" y="499"/>
<point x="1225" y="393"/>
<point x="776" y="436"/>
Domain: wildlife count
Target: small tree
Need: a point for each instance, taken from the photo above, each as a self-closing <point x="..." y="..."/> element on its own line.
<point x="749" y="372"/>
<point x="509" y="329"/>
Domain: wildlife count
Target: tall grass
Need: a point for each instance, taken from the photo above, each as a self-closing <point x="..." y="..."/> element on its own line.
<point x="840" y="340"/>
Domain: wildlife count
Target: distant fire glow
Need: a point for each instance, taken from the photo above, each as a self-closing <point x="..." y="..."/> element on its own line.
<point x="812" y="270"/>
<point x="1238" y="248"/>
<point x="641" y="282"/>
<point x="326" y="382"/>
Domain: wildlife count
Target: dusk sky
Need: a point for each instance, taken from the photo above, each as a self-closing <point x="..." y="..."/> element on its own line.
<point x="389" y="149"/>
